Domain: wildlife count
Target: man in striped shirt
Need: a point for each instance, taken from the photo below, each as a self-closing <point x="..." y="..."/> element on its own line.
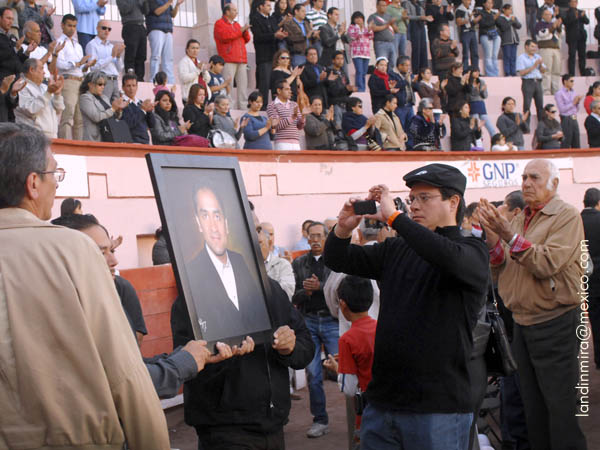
<point x="317" y="18"/>
<point x="286" y="118"/>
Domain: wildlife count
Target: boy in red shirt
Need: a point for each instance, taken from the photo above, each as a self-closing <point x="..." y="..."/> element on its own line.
<point x="356" y="346"/>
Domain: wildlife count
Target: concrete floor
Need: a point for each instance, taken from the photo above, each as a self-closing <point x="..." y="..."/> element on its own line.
<point x="184" y="437"/>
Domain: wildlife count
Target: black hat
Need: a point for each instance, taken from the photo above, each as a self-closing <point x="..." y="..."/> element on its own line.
<point x="438" y="175"/>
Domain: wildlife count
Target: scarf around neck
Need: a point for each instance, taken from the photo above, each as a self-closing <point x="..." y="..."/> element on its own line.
<point x="384" y="76"/>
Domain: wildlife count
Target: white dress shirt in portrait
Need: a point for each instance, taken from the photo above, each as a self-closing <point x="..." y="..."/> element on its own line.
<point x="225" y="272"/>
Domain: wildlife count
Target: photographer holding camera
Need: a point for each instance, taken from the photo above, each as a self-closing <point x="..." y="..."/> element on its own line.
<point x="433" y="283"/>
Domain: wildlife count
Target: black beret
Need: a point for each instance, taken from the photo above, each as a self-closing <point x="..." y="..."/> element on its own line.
<point x="438" y="175"/>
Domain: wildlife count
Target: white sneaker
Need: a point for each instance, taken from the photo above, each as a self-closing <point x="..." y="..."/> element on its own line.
<point x="317" y="430"/>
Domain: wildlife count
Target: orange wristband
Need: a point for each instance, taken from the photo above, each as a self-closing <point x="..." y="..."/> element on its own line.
<point x="391" y="219"/>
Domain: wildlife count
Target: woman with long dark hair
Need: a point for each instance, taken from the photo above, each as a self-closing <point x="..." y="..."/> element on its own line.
<point x="282" y="70"/>
<point x="512" y="124"/>
<point x="476" y="97"/>
<point x="593" y="93"/>
<point x="455" y="88"/>
<point x="198" y="112"/>
<point x="258" y="129"/>
<point x="465" y="130"/>
<point x="549" y="133"/>
<point x="166" y="124"/>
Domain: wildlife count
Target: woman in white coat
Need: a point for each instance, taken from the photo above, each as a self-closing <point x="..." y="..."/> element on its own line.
<point x="190" y="70"/>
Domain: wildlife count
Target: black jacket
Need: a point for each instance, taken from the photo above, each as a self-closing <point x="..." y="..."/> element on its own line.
<point x="591" y="226"/>
<point x="7" y="106"/>
<point x="138" y="122"/>
<point x="251" y="391"/>
<point x="461" y="134"/>
<point x="329" y="37"/>
<point x="455" y="93"/>
<point x="378" y="92"/>
<point x="337" y="94"/>
<point x="200" y="121"/>
<point x="263" y="36"/>
<point x="433" y="28"/>
<point x="575" y="25"/>
<point x="508" y="30"/>
<point x="592" y="126"/>
<point x="313" y="86"/>
<point x="304" y="267"/>
<point x="11" y="60"/>
<point x="432" y="287"/>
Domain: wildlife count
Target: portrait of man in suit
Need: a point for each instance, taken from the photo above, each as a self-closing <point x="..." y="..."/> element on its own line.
<point x="227" y="298"/>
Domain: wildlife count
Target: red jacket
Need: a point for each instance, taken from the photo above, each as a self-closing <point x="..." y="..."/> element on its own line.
<point x="231" y="42"/>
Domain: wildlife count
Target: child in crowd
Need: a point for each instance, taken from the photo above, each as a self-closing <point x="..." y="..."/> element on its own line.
<point x="217" y="83"/>
<point x="499" y="143"/>
<point x="160" y="83"/>
<point x="356" y="346"/>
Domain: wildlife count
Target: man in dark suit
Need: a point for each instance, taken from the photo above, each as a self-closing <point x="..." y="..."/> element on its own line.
<point x="313" y="76"/>
<point x="226" y="296"/>
<point x="575" y="21"/>
<point x="12" y="55"/>
<point x="592" y="125"/>
<point x="138" y="114"/>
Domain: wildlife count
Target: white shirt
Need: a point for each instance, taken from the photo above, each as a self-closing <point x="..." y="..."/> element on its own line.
<point x="39" y="108"/>
<point x="226" y="275"/>
<point x="102" y="52"/>
<point x="69" y="57"/>
<point x="39" y="53"/>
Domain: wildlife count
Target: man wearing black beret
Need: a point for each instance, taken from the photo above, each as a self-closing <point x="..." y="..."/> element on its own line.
<point x="433" y="283"/>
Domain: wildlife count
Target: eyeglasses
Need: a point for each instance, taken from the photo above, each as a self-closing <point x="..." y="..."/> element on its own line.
<point x="284" y="57"/>
<point x="100" y="84"/>
<point x="553" y="111"/>
<point x="421" y="198"/>
<point x="428" y="107"/>
<point x="106" y="28"/>
<point x="59" y="173"/>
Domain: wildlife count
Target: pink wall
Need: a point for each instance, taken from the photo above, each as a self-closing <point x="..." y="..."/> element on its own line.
<point x="286" y="187"/>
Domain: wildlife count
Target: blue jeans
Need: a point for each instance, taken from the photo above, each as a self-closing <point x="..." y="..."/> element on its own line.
<point x="387" y="49"/>
<point x="361" y="66"/>
<point x="400" y="42"/>
<point x="469" y="45"/>
<point x="318" y="46"/>
<point x="389" y="430"/>
<point x="298" y="60"/>
<point x="84" y="39"/>
<point x="325" y="331"/>
<point x="161" y="54"/>
<point x="509" y="57"/>
<point x="488" y="123"/>
<point x="405" y="113"/>
<point x="491" y="47"/>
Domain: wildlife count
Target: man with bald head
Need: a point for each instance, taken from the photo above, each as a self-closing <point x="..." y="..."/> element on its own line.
<point x="278" y="268"/>
<point x="108" y="58"/>
<point x="537" y="261"/>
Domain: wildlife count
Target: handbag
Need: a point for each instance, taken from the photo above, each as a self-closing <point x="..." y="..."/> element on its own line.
<point x="191" y="140"/>
<point x="221" y="139"/>
<point x="114" y="130"/>
<point x="499" y="358"/>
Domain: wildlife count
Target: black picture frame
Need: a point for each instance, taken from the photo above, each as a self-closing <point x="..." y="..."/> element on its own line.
<point x="212" y="313"/>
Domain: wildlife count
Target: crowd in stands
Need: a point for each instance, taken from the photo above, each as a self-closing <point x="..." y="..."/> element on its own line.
<point x="73" y="85"/>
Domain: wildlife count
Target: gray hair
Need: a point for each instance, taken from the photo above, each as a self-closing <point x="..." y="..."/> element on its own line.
<point x="23" y="150"/>
<point x="28" y="26"/>
<point x="29" y="64"/>
<point x="594" y="104"/>
<point x="425" y="103"/>
<point x="92" y="77"/>
<point x="554" y="173"/>
<point x="366" y="231"/>
<point x="220" y="98"/>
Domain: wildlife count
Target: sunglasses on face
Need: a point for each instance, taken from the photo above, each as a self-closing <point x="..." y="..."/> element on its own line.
<point x="100" y="84"/>
<point x="284" y="57"/>
<point x="106" y="28"/>
<point x="552" y="112"/>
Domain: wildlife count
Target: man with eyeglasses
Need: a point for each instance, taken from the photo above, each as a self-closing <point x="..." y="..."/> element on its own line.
<point x="568" y="103"/>
<point x="63" y="328"/>
<point x="433" y="284"/>
<point x="88" y="13"/>
<point x="108" y="59"/>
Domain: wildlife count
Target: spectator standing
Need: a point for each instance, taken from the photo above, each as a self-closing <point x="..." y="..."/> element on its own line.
<point x="88" y="13"/>
<point x="387" y="122"/>
<point x="32" y="33"/>
<point x="593" y="93"/>
<point x="382" y="25"/>
<point x="12" y="56"/>
<point x="530" y="68"/>
<point x="266" y="33"/>
<point x="443" y="52"/>
<point x="299" y="32"/>
<point x="217" y="84"/>
<point x="138" y="114"/>
<point x="575" y="21"/>
<point x="190" y="69"/>
<point x="198" y="112"/>
<point x="280" y="271"/>
<point x="9" y="99"/>
<point x="223" y="121"/>
<point x="549" y="133"/>
<point x="42" y="16"/>
<point x="512" y="124"/>
<point x="508" y="25"/>
<point x="416" y="33"/>
<point x="338" y="87"/>
<point x="71" y="65"/>
<point x="397" y="12"/>
<point x="476" y="97"/>
<point x="285" y="118"/>
<point x="464" y="129"/>
<point x="259" y="129"/>
<point x="108" y="59"/>
<point x="332" y="36"/>
<point x="427" y="89"/>
<point x="568" y="104"/>
<point x="231" y="39"/>
<point x="40" y="104"/>
<point x="282" y="12"/>
<point x="541" y="247"/>
<point x="380" y="84"/>
<point x="466" y="21"/>
<point x="160" y="251"/>
<point x="490" y="38"/>
<point x="320" y="128"/>
<point x="317" y="17"/>
<point x="356" y="125"/>
<point x="314" y="76"/>
<point x="159" y="23"/>
<point x="406" y="90"/>
<point x="424" y="131"/>
<point x="441" y="14"/>
<point x="456" y="87"/>
<point x="134" y="35"/>
<point x="16" y="7"/>
<point x="360" y="48"/>
<point x="282" y="71"/>
<point x="166" y="126"/>
<point x="95" y="106"/>
<point x="592" y="127"/>
<point x="548" y="34"/>
<point x="531" y="9"/>
<point x="302" y="244"/>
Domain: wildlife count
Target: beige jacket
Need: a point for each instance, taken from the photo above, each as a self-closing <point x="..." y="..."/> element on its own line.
<point x="71" y="374"/>
<point x="392" y="134"/>
<point x="281" y="271"/>
<point x="542" y="282"/>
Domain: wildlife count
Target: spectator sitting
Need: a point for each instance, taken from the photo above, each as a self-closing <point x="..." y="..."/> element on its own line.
<point x="548" y="38"/>
<point x="424" y="130"/>
<point x="282" y="71"/>
<point x="332" y="36"/>
<point x="231" y="39"/>
<point x="190" y="70"/>
<point x="198" y="112"/>
<point x="427" y="89"/>
<point x="299" y="33"/>
<point x="258" y="129"/>
<point x="222" y="120"/>
<point x="319" y="129"/>
<point x="443" y="52"/>
<point x="512" y="124"/>
<point x="42" y="16"/>
<point x="160" y="252"/>
<point x="465" y="130"/>
<point x="593" y="93"/>
<point x="355" y="124"/>
<point x="217" y="83"/>
<point x="166" y="127"/>
<point x="476" y="98"/>
<point x="499" y="143"/>
<point x="441" y="15"/>
<point x="592" y="125"/>
<point x="159" y="22"/>
<point x="138" y="114"/>
<point x="314" y="76"/>
<point x="489" y="37"/>
<point x="508" y="25"/>
<point x="380" y="84"/>
<point x="108" y="58"/>
<point x="40" y="104"/>
<point x="95" y="107"/>
<point x="455" y="88"/>
<point x="287" y="118"/>
<point x="549" y="132"/>
<point x="389" y="125"/>
<point x="338" y="87"/>
<point x="360" y="48"/>
<point x="70" y="206"/>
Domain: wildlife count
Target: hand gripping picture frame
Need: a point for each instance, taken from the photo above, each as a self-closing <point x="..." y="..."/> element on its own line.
<point x="213" y="245"/>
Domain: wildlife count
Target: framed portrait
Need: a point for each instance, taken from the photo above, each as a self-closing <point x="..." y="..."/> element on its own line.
<point x="213" y="245"/>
